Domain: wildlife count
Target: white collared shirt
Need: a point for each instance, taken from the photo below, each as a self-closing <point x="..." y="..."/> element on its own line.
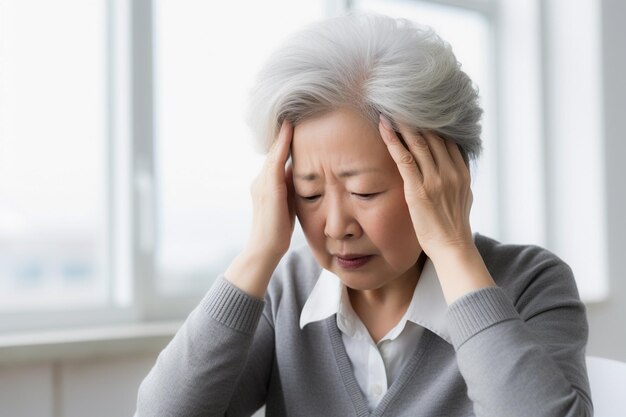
<point x="377" y="365"/>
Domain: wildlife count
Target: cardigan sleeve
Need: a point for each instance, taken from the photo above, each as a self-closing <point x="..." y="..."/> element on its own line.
<point x="222" y="351"/>
<point x="526" y="356"/>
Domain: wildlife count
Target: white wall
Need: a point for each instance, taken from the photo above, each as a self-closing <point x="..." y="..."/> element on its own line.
<point x="102" y="387"/>
<point x="607" y="320"/>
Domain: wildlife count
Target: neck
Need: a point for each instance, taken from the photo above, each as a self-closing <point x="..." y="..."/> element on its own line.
<point x="390" y="301"/>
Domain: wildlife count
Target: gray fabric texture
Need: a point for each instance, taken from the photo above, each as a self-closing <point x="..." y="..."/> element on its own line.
<point x="518" y="350"/>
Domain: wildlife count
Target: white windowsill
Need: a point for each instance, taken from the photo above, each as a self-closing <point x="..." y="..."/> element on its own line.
<point x="72" y="344"/>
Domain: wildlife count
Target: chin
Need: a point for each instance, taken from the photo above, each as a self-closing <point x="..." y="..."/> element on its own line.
<point x="359" y="282"/>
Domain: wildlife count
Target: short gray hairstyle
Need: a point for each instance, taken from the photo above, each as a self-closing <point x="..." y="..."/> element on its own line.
<point x="375" y="65"/>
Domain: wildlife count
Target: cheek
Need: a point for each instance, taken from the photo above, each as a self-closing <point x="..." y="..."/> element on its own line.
<point x="303" y="216"/>
<point x="390" y="228"/>
<point x="312" y="225"/>
<point x="313" y="228"/>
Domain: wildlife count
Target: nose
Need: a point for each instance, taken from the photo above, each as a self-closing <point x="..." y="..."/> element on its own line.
<point x="340" y="222"/>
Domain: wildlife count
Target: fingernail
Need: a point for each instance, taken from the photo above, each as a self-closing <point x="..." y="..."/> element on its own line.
<point x="386" y="123"/>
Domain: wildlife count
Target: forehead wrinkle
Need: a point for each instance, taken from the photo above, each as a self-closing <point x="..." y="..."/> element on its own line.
<point x="338" y="145"/>
<point x="343" y="174"/>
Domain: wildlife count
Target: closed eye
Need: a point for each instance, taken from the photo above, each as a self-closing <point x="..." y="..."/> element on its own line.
<point x="366" y="196"/>
<point x="313" y="198"/>
<point x="310" y="198"/>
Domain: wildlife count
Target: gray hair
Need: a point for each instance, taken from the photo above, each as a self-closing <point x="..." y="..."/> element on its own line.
<point x="373" y="64"/>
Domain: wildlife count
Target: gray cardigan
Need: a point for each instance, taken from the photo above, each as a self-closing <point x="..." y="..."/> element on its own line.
<point x="518" y="350"/>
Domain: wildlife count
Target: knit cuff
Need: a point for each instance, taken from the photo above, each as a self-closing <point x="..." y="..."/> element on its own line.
<point x="232" y="307"/>
<point x="477" y="311"/>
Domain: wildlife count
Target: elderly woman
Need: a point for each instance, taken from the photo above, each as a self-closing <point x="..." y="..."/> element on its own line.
<point x="394" y="307"/>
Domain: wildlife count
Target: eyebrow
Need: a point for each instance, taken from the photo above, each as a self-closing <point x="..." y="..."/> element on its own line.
<point x="343" y="174"/>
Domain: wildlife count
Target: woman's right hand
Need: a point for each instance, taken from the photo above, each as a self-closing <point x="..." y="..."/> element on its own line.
<point x="273" y="220"/>
<point x="272" y="191"/>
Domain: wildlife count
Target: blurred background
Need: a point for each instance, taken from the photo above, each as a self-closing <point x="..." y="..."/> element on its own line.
<point x="125" y="166"/>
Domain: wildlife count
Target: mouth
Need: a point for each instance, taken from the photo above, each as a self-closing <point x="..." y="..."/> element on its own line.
<point x="350" y="256"/>
<point x="352" y="261"/>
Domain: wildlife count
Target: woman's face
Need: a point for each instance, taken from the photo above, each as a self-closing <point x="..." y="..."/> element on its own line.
<point x="350" y="201"/>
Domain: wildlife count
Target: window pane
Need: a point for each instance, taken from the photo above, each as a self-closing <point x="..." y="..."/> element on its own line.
<point x="468" y="32"/>
<point x="206" y="55"/>
<point x="52" y="154"/>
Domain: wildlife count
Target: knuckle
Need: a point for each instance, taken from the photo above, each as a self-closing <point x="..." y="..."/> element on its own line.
<point x="455" y="178"/>
<point x="407" y="159"/>
<point x="419" y="148"/>
<point x="418" y="141"/>
<point x="433" y="185"/>
<point x="438" y="184"/>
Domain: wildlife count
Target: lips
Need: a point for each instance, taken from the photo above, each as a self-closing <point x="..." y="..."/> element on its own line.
<point x="349" y="256"/>
<point x="352" y="261"/>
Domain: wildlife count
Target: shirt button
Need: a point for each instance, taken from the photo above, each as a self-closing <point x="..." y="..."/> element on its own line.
<point x="377" y="390"/>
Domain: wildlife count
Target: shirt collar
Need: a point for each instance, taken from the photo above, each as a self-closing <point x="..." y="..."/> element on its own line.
<point x="324" y="300"/>
<point x="427" y="308"/>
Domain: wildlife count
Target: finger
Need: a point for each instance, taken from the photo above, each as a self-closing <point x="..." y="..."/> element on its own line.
<point x="459" y="162"/>
<point x="455" y="153"/>
<point x="420" y="149"/>
<point x="403" y="158"/>
<point x="279" y="152"/>
<point x="439" y="150"/>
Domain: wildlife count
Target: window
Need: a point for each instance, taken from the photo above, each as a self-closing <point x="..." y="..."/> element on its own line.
<point x="53" y="165"/>
<point x="203" y="201"/>
<point x="550" y="147"/>
<point x="110" y="210"/>
<point x="116" y="200"/>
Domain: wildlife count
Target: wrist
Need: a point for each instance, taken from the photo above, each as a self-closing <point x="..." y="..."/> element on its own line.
<point x="251" y="271"/>
<point x="461" y="270"/>
<point x="268" y="257"/>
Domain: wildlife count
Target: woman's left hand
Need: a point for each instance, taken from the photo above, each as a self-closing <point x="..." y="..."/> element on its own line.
<point x="436" y="188"/>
